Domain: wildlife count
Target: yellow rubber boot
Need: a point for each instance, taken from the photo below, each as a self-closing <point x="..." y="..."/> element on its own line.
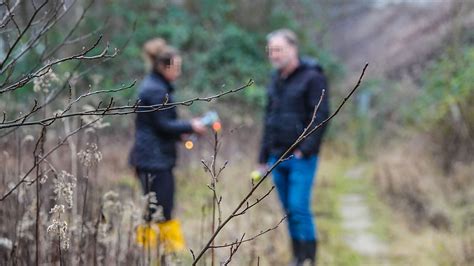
<point x="171" y="236"/>
<point x="147" y="235"/>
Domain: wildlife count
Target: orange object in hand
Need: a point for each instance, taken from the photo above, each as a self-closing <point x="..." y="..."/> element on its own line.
<point x="216" y="126"/>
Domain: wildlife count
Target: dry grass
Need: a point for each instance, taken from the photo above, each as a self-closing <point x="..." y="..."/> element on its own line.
<point x="434" y="217"/>
<point x="114" y="204"/>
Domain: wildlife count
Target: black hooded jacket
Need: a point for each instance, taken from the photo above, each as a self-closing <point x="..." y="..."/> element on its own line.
<point x="290" y="106"/>
<point x="158" y="132"/>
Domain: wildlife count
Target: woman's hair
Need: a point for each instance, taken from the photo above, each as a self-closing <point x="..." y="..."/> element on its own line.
<point x="157" y="52"/>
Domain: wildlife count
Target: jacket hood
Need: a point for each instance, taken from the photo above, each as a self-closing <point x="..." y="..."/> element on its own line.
<point x="307" y="62"/>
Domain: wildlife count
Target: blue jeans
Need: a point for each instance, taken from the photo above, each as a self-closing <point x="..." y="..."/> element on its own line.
<point x="294" y="179"/>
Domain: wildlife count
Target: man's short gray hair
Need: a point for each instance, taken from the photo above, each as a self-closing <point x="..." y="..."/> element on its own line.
<point x="287" y="34"/>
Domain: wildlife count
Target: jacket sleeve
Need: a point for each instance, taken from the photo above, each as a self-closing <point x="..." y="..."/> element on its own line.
<point x="264" y="146"/>
<point x="163" y="121"/>
<point x="314" y="90"/>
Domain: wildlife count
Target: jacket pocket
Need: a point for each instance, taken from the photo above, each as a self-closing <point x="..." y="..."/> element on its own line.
<point x="288" y="129"/>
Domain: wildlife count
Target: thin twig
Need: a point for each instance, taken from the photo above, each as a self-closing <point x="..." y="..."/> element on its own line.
<point x="233" y="249"/>
<point x="253" y="237"/>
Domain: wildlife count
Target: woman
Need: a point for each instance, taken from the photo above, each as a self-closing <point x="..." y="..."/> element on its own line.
<point x="157" y="132"/>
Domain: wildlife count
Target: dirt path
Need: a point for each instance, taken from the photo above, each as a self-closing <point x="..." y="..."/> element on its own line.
<point x="358" y="223"/>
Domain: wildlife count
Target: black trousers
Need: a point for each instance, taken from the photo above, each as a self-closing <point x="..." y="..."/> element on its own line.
<point x="162" y="183"/>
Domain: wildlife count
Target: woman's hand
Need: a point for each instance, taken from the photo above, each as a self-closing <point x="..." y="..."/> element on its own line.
<point x="198" y="126"/>
<point x="185" y="137"/>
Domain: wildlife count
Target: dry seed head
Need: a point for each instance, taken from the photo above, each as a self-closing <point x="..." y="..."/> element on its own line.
<point x="152" y="205"/>
<point x="90" y="156"/>
<point x="110" y="196"/>
<point x="158" y="214"/>
<point x="57" y="209"/>
<point x="45" y="81"/>
<point x="60" y="228"/>
<point x="64" y="186"/>
<point x="43" y="179"/>
<point x="28" y="138"/>
<point x="111" y="205"/>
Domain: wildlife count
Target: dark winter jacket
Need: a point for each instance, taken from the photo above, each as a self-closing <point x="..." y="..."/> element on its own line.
<point x="156" y="132"/>
<point x="291" y="103"/>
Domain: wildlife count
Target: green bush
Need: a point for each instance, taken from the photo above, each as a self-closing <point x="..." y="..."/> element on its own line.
<point x="448" y="89"/>
<point x="221" y="46"/>
<point x="222" y="43"/>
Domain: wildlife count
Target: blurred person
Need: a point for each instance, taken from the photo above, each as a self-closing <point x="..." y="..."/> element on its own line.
<point x="295" y="89"/>
<point x="154" y="152"/>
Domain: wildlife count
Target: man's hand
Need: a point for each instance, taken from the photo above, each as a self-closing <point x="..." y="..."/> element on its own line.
<point x="256" y="175"/>
<point x="298" y="154"/>
<point x="263" y="168"/>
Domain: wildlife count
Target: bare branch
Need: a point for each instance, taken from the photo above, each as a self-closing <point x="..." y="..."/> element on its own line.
<point x="9" y="14"/>
<point x="51" y="22"/>
<point x="42" y="71"/>
<point x="17" y="40"/>
<point x="124" y="110"/>
<point x="69" y="34"/>
<point x="51" y="97"/>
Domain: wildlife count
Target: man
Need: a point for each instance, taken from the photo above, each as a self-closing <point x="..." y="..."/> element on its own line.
<point x="294" y="91"/>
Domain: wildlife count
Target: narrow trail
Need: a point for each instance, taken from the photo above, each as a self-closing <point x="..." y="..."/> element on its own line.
<point x="358" y="223"/>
